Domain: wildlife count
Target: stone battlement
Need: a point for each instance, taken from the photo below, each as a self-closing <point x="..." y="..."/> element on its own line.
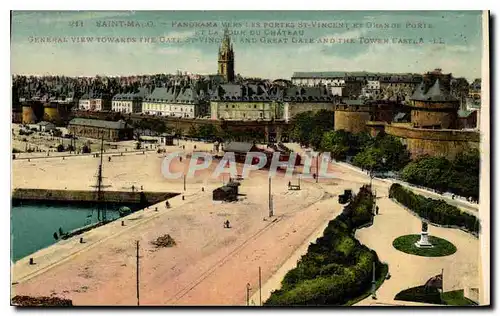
<point x="432" y="134"/>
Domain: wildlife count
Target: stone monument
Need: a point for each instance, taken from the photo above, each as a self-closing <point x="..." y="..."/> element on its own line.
<point x="424" y="238"/>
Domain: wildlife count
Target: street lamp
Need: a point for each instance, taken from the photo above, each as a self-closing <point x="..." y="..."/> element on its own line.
<point x="248" y="294"/>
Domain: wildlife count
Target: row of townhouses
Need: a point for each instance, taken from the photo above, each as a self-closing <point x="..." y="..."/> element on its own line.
<point x="250" y="101"/>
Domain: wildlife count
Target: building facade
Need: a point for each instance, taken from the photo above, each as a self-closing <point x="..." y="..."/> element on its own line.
<point x="369" y="85"/>
<point x="110" y="131"/>
<point x="95" y="102"/>
<point x="128" y="102"/>
<point x="184" y="102"/>
<point x="245" y="102"/>
<point x="298" y="100"/>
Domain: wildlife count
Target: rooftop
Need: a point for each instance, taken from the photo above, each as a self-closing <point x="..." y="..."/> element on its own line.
<point x="238" y="147"/>
<point x="436" y="93"/>
<point x="99" y="123"/>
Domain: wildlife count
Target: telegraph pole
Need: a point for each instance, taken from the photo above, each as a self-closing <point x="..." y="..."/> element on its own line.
<point x="248" y="294"/>
<point x="374" y="296"/>
<point x="270" y="200"/>
<point x="137" y="273"/>
<point x="317" y="168"/>
<point x="184" y="182"/>
<point x="260" y="287"/>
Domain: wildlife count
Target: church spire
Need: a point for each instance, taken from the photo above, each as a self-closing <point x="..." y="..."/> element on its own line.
<point x="226" y="58"/>
<point x="226" y="41"/>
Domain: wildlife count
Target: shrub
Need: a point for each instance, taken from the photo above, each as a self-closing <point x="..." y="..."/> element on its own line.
<point x="336" y="268"/>
<point x="436" y="211"/>
<point x="60" y="148"/>
<point x="421" y="294"/>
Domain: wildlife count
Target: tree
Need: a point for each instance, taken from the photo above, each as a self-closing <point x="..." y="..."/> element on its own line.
<point x="308" y="127"/>
<point x="193" y="131"/>
<point x="207" y="131"/>
<point x="371" y="159"/>
<point x="428" y="171"/>
<point x="336" y="143"/>
<point x="302" y="127"/>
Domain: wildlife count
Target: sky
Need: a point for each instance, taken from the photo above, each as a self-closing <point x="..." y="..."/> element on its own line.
<point x="267" y="44"/>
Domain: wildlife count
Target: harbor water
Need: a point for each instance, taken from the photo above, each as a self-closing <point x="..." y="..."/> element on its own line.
<point x="33" y="226"/>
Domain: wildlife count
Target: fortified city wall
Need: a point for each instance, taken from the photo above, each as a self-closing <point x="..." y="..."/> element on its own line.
<point x="440" y="142"/>
<point x="352" y="118"/>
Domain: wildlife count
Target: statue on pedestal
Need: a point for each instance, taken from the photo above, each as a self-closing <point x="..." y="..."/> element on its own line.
<point x="424" y="227"/>
<point x="424" y="237"/>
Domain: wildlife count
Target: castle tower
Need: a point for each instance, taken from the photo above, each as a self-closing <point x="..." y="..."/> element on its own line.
<point x="226" y="58"/>
<point x="432" y="105"/>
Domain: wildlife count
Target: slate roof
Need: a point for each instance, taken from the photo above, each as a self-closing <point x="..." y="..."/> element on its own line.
<point x="131" y="95"/>
<point x="238" y="147"/>
<point x="464" y="113"/>
<point x="174" y="95"/>
<point x="436" y="93"/>
<point x="419" y="93"/>
<point x="162" y="95"/>
<point x="386" y="77"/>
<point x="323" y="74"/>
<point x="242" y="92"/>
<point x="99" y="123"/>
<point x="307" y="94"/>
<point x="45" y="123"/>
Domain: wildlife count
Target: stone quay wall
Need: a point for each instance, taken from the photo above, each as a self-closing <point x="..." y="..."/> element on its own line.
<point x="80" y="196"/>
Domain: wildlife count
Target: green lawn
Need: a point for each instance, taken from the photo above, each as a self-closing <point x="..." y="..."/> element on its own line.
<point x="441" y="247"/>
<point x="456" y="298"/>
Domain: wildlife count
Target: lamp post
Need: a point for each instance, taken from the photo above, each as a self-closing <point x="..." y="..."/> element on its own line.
<point x="248" y="294"/>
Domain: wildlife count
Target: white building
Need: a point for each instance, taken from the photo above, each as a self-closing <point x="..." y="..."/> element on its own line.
<point x="173" y="101"/>
<point x="128" y="102"/>
<point x="45" y="126"/>
<point x="94" y="102"/>
<point x="84" y="103"/>
<point x="371" y="88"/>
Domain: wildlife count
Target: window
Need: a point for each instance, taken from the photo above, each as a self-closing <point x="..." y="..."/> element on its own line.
<point x="255" y="106"/>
